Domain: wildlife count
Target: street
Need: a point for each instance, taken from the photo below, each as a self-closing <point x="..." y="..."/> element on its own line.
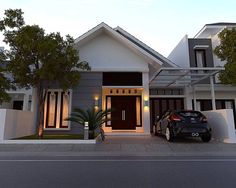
<point x="120" y="171"/>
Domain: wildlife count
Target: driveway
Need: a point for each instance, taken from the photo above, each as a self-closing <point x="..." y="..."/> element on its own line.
<point x="124" y="146"/>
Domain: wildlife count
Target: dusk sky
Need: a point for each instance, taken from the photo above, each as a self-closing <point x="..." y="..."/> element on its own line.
<point x="158" y="23"/>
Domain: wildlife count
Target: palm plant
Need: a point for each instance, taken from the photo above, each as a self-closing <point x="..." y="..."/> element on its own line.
<point x="95" y="119"/>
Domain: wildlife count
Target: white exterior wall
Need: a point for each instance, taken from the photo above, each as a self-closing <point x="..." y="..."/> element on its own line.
<point x="222" y="124"/>
<point x="180" y="54"/>
<point x="15" y="123"/>
<point x="104" y="53"/>
<point x="146" y="109"/>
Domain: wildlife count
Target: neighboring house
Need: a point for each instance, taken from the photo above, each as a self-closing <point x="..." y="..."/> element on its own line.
<point x="20" y="98"/>
<point x="198" y="52"/>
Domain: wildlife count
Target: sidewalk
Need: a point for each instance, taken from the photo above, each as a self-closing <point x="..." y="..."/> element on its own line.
<point x="124" y="146"/>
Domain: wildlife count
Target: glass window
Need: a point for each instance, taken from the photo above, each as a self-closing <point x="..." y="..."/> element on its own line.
<point x="200" y="57"/>
<point x="56" y="109"/>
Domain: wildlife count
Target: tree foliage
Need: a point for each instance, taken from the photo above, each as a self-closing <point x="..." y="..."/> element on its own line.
<point x="37" y="59"/>
<point x="5" y="83"/>
<point x="226" y="51"/>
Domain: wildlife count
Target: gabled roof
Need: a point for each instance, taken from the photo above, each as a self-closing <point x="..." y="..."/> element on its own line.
<point x="213" y="29"/>
<point x="221" y="24"/>
<point x="145" y="47"/>
<point x="128" y="40"/>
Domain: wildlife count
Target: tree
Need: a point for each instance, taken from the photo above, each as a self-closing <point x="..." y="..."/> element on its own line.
<point x="226" y="51"/>
<point x="39" y="60"/>
<point x="5" y="83"/>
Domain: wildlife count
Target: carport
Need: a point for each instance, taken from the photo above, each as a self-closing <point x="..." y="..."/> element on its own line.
<point x="186" y="77"/>
<point x="221" y="120"/>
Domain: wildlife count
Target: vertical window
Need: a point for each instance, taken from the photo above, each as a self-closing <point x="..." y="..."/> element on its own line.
<point x="56" y="109"/>
<point x="138" y="111"/>
<point x="200" y="58"/>
<point x="51" y="110"/>
<point x="108" y="107"/>
<point x="64" y="109"/>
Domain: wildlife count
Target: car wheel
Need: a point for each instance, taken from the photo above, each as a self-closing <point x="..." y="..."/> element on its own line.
<point x="155" y="130"/>
<point x="169" y="135"/>
<point x="206" y="138"/>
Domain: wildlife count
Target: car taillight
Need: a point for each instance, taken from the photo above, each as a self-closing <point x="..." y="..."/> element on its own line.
<point x="175" y="117"/>
<point x="204" y="119"/>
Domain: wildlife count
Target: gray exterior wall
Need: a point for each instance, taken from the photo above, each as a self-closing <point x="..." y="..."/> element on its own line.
<point x="209" y="56"/>
<point x="83" y="95"/>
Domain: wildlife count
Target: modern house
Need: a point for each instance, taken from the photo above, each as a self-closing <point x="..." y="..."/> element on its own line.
<point x="20" y="98"/>
<point x="138" y="82"/>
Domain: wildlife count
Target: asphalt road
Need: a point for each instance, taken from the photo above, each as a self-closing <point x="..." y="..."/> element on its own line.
<point x="186" y="172"/>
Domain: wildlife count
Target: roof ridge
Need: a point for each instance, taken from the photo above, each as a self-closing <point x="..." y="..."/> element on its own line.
<point x="144" y="45"/>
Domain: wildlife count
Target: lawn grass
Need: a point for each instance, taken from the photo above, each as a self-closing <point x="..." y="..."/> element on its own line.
<point x="53" y="136"/>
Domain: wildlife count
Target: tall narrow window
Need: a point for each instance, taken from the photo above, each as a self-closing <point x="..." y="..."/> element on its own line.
<point x="109" y="107"/>
<point x="200" y="58"/>
<point x="138" y="111"/>
<point x="64" y="109"/>
<point x="51" y="110"/>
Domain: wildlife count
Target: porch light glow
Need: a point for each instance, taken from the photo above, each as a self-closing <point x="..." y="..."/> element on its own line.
<point x="96" y="102"/>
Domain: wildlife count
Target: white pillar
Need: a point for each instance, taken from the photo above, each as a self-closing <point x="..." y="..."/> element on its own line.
<point x="213" y="99"/>
<point x="146" y="110"/>
<point x="188" y="98"/>
<point x="26" y="102"/>
<point x="194" y="98"/>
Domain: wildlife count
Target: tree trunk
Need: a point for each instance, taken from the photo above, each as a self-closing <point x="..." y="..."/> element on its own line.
<point x="41" y="99"/>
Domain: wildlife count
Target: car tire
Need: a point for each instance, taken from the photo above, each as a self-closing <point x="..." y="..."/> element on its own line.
<point x="155" y="130"/>
<point x="206" y="138"/>
<point x="169" y="135"/>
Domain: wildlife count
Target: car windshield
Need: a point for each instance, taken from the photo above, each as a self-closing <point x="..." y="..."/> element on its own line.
<point x="190" y="113"/>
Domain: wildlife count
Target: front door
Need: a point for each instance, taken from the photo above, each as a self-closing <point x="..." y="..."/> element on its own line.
<point x="124" y="114"/>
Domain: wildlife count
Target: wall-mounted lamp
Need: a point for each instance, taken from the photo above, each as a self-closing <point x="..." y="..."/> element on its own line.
<point x="86" y="124"/>
<point x="96" y="102"/>
<point x="146" y="103"/>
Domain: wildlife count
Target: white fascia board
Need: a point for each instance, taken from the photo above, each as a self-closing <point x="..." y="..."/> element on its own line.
<point x="209" y="27"/>
<point x="120" y="38"/>
<point x="145" y="46"/>
<point x="88" y="33"/>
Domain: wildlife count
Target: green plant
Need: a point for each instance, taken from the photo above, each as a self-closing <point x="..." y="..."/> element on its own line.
<point x="95" y="119"/>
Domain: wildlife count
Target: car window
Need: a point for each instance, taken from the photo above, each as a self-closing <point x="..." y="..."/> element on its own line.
<point x="190" y="114"/>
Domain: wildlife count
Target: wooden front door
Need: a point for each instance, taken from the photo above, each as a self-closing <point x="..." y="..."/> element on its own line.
<point x="124" y="115"/>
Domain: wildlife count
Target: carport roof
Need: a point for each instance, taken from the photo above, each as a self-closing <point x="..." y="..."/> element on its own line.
<point x="180" y="77"/>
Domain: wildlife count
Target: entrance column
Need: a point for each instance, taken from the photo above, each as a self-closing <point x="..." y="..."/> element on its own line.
<point x="213" y="99"/>
<point x="146" y="104"/>
<point x="194" y="99"/>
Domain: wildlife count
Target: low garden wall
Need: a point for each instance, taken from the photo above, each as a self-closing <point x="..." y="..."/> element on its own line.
<point x="222" y="124"/>
<point x="15" y="123"/>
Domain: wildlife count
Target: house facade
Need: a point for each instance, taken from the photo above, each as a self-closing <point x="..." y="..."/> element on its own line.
<point x="138" y="82"/>
<point x="121" y="66"/>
